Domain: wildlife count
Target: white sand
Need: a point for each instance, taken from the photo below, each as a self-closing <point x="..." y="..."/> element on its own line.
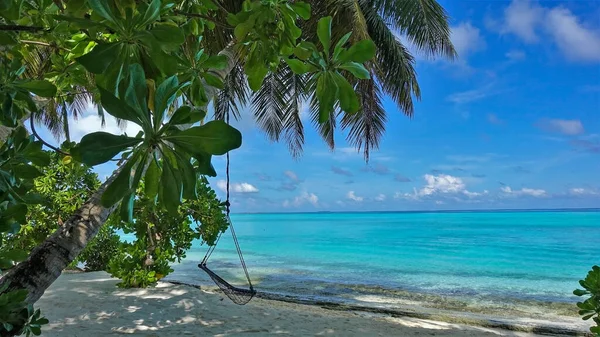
<point x="89" y="304"/>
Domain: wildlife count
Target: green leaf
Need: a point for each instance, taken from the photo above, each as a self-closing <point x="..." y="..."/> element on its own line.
<point x="36" y="330"/>
<point x="327" y="93"/>
<point x="170" y="182"/>
<point x="101" y="57"/>
<point x="38" y="87"/>
<point x="580" y="292"/>
<point x="187" y="115"/>
<point x="218" y="62"/>
<point x="302" y="9"/>
<point x="137" y="91"/>
<point x="357" y="69"/>
<point x="168" y="34"/>
<point x="121" y="186"/>
<point x="118" y="108"/>
<point x="340" y="44"/>
<point x="188" y="177"/>
<point x="152" y="13"/>
<point x="102" y="8"/>
<point x="360" y="52"/>
<point x="324" y="33"/>
<point x="256" y="76"/>
<point x="126" y="208"/>
<point x="6" y="39"/>
<point x="99" y="147"/>
<point x="215" y="137"/>
<point x="297" y="66"/>
<point x="213" y="81"/>
<point x="151" y="180"/>
<point x="348" y="99"/>
<point x="14" y="255"/>
<point x="203" y="164"/>
<point x="24" y="171"/>
<point x="163" y="97"/>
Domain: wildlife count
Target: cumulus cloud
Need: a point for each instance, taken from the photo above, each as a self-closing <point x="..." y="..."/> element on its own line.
<point x="466" y="39"/>
<point x="302" y="199"/>
<point x="580" y="191"/>
<point x="380" y="197"/>
<point x="508" y="191"/>
<point x="568" y="127"/>
<point x="237" y="187"/>
<point x="341" y="171"/>
<point x="352" y="196"/>
<point x="577" y="40"/>
<point x="441" y="185"/>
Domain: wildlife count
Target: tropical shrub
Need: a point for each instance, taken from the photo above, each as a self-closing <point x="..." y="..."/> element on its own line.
<point x="100" y="251"/>
<point x="590" y="308"/>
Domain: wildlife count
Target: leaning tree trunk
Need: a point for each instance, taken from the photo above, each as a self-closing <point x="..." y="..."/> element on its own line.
<point x="47" y="261"/>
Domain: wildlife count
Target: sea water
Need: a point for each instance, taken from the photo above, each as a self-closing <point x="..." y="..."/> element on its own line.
<point x="456" y="260"/>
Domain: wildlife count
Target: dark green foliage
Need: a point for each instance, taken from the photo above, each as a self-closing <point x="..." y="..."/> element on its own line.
<point x="590" y="308"/>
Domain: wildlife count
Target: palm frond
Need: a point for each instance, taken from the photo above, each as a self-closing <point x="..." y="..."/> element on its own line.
<point x="269" y="106"/>
<point x="234" y="96"/>
<point x="293" y="128"/>
<point x="367" y="126"/>
<point x="327" y="129"/>
<point x="423" y="22"/>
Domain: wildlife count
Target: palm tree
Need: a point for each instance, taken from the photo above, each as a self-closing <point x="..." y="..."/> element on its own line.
<point x="277" y="105"/>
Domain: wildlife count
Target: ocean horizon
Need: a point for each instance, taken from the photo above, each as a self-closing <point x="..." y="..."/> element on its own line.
<point x="493" y="262"/>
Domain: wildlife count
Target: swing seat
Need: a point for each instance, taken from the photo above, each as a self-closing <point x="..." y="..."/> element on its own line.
<point x="236" y="295"/>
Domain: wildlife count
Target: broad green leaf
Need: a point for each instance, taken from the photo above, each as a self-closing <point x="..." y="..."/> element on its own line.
<point x="218" y="62"/>
<point x="24" y="171"/>
<point x="348" y="99"/>
<point x="152" y="13"/>
<point x="188" y="176"/>
<point x="357" y="69"/>
<point x="151" y="179"/>
<point x="163" y="97"/>
<point x="187" y="115"/>
<point x="215" y="137"/>
<point x="203" y="164"/>
<point x="101" y="57"/>
<point x="102" y="8"/>
<point x="170" y="182"/>
<point x="339" y="46"/>
<point x="137" y="91"/>
<point x="6" y="39"/>
<point x="324" y="33"/>
<point x="302" y="53"/>
<point x="213" y="81"/>
<point x="297" y="66"/>
<point x="121" y="186"/>
<point x="118" y="108"/>
<point x="256" y="77"/>
<point x="302" y="9"/>
<point x="168" y="34"/>
<point x="38" y="87"/>
<point x="99" y="147"/>
<point x="360" y="52"/>
<point x="327" y="93"/>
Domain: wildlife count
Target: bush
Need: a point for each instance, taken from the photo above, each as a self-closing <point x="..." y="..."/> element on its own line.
<point x="590" y="308"/>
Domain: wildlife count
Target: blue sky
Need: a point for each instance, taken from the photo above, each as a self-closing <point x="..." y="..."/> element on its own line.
<point x="514" y="123"/>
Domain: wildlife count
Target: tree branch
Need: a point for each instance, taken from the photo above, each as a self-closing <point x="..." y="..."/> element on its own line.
<point x="45" y="44"/>
<point x="32" y="124"/>
<point x="19" y="28"/>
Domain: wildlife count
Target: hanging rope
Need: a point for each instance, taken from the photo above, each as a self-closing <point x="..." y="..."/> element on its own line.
<point x="236" y="295"/>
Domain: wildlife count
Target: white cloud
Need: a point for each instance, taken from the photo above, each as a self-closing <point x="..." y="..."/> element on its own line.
<point x="380" y="197"/>
<point x="303" y="198"/>
<point x="90" y="122"/>
<point x="466" y="39"/>
<point x="442" y="183"/>
<point x="582" y="191"/>
<point x="472" y="95"/>
<point x="538" y="193"/>
<point x="515" y="55"/>
<point x="522" y="18"/>
<point x="353" y="196"/>
<point x="237" y="187"/>
<point x="291" y="175"/>
<point x="569" y="127"/>
<point x="576" y="41"/>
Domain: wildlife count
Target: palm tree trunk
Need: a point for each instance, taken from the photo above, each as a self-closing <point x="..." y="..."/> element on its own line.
<point x="47" y="261"/>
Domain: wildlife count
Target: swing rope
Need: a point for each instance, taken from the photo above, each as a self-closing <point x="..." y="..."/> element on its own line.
<point x="236" y="295"/>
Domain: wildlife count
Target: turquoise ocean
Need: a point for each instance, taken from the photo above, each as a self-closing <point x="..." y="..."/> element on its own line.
<point x="473" y="261"/>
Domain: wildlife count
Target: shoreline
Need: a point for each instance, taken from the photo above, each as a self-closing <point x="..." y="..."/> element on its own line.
<point x="90" y="304"/>
<point x="527" y="325"/>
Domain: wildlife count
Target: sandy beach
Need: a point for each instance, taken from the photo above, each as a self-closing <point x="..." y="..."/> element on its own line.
<point x="89" y="304"/>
